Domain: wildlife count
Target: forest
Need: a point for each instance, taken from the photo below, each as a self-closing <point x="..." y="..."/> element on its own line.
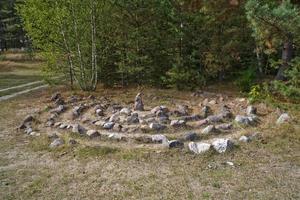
<point x="164" y="43"/>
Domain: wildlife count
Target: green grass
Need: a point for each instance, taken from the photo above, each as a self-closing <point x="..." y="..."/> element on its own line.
<point x="95" y="151"/>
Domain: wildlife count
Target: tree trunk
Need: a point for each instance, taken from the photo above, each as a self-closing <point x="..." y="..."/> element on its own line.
<point x="287" y="55"/>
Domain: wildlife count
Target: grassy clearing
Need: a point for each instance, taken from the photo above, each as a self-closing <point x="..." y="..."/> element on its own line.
<point x="267" y="168"/>
<point x="17" y="70"/>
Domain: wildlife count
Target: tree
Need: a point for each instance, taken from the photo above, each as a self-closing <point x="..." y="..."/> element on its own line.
<point x="274" y="23"/>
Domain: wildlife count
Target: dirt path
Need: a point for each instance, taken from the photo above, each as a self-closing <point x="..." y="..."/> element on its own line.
<point x="3" y="98"/>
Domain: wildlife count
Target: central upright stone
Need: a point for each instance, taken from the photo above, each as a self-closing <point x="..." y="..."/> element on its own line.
<point x="138" y="103"/>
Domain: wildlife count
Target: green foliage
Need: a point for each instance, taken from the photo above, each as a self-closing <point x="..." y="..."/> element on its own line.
<point x="289" y="89"/>
<point x="246" y="79"/>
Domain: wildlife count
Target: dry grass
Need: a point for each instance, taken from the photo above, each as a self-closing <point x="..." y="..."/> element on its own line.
<point x="267" y="168"/>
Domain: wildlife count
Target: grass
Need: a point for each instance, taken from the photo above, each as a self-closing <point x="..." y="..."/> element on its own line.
<point x="15" y="70"/>
<point x="266" y="168"/>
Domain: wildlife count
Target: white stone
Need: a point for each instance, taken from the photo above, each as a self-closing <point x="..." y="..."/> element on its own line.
<point x="283" y="118"/>
<point x="157" y="126"/>
<point x="222" y="145"/>
<point x="56" y="143"/>
<point x="93" y="133"/>
<point x="159" y="139"/>
<point x="208" y="129"/>
<point x="199" y="147"/>
<point x="244" y="139"/>
<point x="177" y="123"/>
<point x="125" y="111"/>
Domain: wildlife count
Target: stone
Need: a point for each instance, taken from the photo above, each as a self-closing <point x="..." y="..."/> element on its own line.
<point x="138" y="103"/>
<point x="60" y="109"/>
<point x="159" y="139"/>
<point x="114" y="117"/>
<point x="144" y="139"/>
<point x="50" y="123"/>
<point x="93" y="133"/>
<point x="212" y="102"/>
<point x="205" y="111"/>
<point x="78" y="129"/>
<point x="163" y="120"/>
<point x="77" y="110"/>
<point x="190" y="118"/>
<point x="59" y="101"/>
<point x="150" y="120"/>
<point x="181" y="110"/>
<point x="72" y="141"/>
<point x="28" y="119"/>
<point x="175" y="144"/>
<point x="133" y="119"/>
<point x="108" y="125"/>
<point x="225" y="112"/>
<point x="57" y="124"/>
<point x="99" y="112"/>
<point x="117" y="127"/>
<point x="125" y="111"/>
<point x="35" y="134"/>
<point x="283" y="118"/>
<point x="251" y="110"/>
<point x="223" y="145"/>
<point x="209" y="129"/>
<point x="244" y="139"/>
<point x="157" y="126"/>
<point x="202" y="123"/>
<point x="246" y="120"/>
<point x="226" y="126"/>
<point x="215" y="118"/>
<point x="55" y="96"/>
<point x="52" y="135"/>
<point x="99" y="123"/>
<point x="117" y="136"/>
<point x="28" y="130"/>
<point x="177" y="123"/>
<point x="56" y="143"/>
<point x="155" y="109"/>
<point x="199" y="147"/>
<point x="190" y="136"/>
<point x="63" y="126"/>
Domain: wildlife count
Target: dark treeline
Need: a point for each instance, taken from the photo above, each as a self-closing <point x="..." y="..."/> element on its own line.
<point x="165" y="43"/>
<point x="11" y="32"/>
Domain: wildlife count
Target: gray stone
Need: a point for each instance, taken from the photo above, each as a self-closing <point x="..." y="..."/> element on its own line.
<point x="190" y="136"/>
<point x="78" y="129"/>
<point x="226" y="126"/>
<point x="283" y="118"/>
<point x="117" y="136"/>
<point x="244" y="139"/>
<point x="125" y="111"/>
<point x="175" y="144"/>
<point x="115" y="117"/>
<point x="214" y="118"/>
<point x="206" y="111"/>
<point x="77" y="110"/>
<point x="199" y="147"/>
<point x="99" y="112"/>
<point x="93" y="133"/>
<point x="190" y="118"/>
<point x="99" y="123"/>
<point x="243" y="120"/>
<point x="223" y="145"/>
<point x="55" y="96"/>
<point x="28" y="130"/>
<point x="157" y="126"/>
<point x="60" y="109"/>
<point x="108" y="125"/>
<point x="63" y="126"/>
<point x="28" y="119"/>
<point x="159" y="139"/>
<point x="163" y="119"/>
<point x="138" y="103"/>
<point x="177" y="123"/>
<point x="225" y="112"/>
<point x="133" y="119"/>
<point x="209" y="129"/>
<point x="56" y="143"/>
<point x="251" y="110"/>
<point x="182" y="110"/>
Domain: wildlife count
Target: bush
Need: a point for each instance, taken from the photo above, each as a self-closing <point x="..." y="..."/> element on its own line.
<point x="246" y="79"/>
